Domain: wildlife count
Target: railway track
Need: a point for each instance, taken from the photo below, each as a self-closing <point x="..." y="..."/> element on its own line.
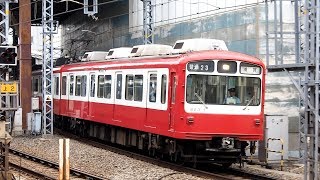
<point x="211" y="172"/>
<point x="45" y="169"/>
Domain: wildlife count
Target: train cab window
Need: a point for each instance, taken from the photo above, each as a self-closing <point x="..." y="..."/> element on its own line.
<point x="83" y="91"/>
<point x="71" y="85"/>
<point x="100" y="86"/>
<point x="64" y="85"/>
<point x="107" y="86"/>
<point x="92" y="85"/>
<point x="153" y="88"/>
<point x="56" y="86"/>
<point x="119" y="86"/>
<point x="223" y="90"/>
<point x="78" y="86"/>
<point x="129" y="87"/>
<point x="138" y="87"/>
<point x="163" y="88"/>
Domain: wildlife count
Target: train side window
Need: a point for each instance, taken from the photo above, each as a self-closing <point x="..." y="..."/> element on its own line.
<point x="56" y="86"/>
<point x="138" y="87"/>
<point x="174" y="87"/>
<point x="71" y="84"/>
<point x="107" y="85"/>
<point x="83" y="85"/>
<point x="153" y="88"/>
<point x="92" y="85"/>
<point x="100" y="86"/>
<point x="78" y="86"/>
<point x="119" y="86"/>
<point x="35" y="82"/>
<point x="64" y="85"/>
<point x="129" y="87"/>
<point x="163" y="88"/>
<point x="40" y="85"/>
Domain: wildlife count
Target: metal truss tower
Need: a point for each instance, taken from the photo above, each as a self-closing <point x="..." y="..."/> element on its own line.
<point x="307" y="57"/>
<point x="311" y="57"/>
<point x="4" y="24"/>
<point x="47" y="67"/>
<point x="147" y="22"/>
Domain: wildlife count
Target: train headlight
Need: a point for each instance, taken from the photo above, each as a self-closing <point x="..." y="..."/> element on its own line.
<point x="226" y="67"/>
<point x="227" y="143"/>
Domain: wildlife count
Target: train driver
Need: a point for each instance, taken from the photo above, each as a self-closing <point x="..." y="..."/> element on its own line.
<point x="232" y="98"/>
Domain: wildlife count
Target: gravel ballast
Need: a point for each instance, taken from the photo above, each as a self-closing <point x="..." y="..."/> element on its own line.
<point x="111" y="165"/>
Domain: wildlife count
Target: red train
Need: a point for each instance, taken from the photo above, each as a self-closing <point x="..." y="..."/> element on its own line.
<point x="176" y="105"/>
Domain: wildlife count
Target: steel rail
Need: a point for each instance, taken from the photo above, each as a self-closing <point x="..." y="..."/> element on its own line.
<point x="30" y="172"/>
<point x="212" y="172"/>
<point x="73" y="171"/>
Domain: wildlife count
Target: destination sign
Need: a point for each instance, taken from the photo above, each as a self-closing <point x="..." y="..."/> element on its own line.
<point x="201" y="66"/>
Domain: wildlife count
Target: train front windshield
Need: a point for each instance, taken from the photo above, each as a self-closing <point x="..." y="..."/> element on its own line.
<point x="223" y="90"/>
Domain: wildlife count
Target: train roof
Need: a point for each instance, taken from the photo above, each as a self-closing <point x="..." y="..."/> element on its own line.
<point x="162" y="61"/>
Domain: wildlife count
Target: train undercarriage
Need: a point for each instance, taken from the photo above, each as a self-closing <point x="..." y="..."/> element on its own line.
<point x="220" y="150"/>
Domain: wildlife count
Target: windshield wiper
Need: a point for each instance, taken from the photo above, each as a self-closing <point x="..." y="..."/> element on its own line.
<point x="201" y="100"/>
<point x="248" y="103"/>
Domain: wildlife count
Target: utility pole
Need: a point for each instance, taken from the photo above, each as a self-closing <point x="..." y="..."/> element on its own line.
<point x="25" y="58"/>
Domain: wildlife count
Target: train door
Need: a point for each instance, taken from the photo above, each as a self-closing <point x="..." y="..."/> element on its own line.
<point x="64" y="95"/>
<point x="56" y="94"/>
<point x="152" y="100"/>
<point x="70" y="103"/>
<point x="117" y="96"/>
<point x="172" y="99"/>
<point x="92" y="90"/>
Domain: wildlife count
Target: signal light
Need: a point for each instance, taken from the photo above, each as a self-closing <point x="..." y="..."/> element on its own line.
<point x="8" y="55"/>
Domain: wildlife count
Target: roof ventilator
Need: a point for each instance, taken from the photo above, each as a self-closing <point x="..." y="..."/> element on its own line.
<point x="188" y="45"/>
<point x="118" y="53"/>
<point x="150" y="50"/>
